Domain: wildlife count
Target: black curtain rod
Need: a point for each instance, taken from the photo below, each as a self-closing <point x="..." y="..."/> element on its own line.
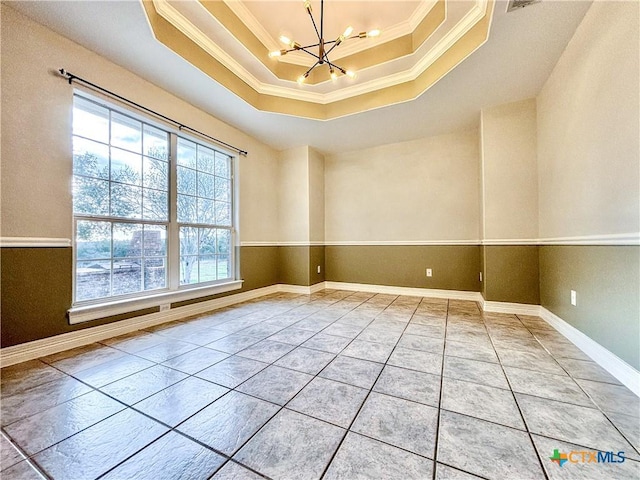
<point x="71" y="78"/>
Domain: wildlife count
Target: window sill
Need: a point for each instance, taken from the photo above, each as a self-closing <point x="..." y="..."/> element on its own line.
<point x="86" y="313"/>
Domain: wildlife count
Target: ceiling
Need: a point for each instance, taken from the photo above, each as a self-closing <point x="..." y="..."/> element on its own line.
<point x="512" y="64"/>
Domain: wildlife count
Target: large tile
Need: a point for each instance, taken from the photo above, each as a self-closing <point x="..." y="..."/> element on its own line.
<point x="483" y="353"/>
<point x="587" y="370"/>
<point x="261" y="330"/>
<point x="292" y="336"/>
<point x="353" y="371"/>
<point x="229" y="422"/>
<point x="426" y="328"/>
<point x="572" y="424"/>
<point x="178" y="402"/>
<point x="327" y="343"/>
<point x="166" y="350"/>
<point x="477" y="337"/>
<point x="204" y="336"/>
<point x="81" y="358"/>
<point x="135" y="342"/>
<point x="306" y="360"/>
<point x="408" y="425"/>
<point x="576" y="469"/>
<point x="39" y="398"/>
<point x="416" y="360"/>
<point x="555" y="387"/>
<point x="21" y="377"/>
<point x="473" y="371"/>
<point x="171" y="457"/>
<point x="275" y="384"/>
<point x="381" y="334"/>
<point x="375" y="352"/>
<point x="266" y="351"/>
<point x="444" y="472"/>
<point x="97" y="449"/>
<point x="481" y="401"/>
<point x="291" y="446"/>
<point x="612" y="398"/>
<point x="233" y="343"/>
<point x="629" y="426"/>
<point x="46" y="428"/>
<point x="539" y="361"/>
<point x="486" y="449"/>
<point x="426" y="344"/>
<point x="564" y="349"/>
<point x="313" y="324"/>
<point x="196" y="360"/>
<point x="114" y="370"/>
<point x="330" y="401"/>
<point x="21" y="471"/>
<point x="9" y="454"/>
<point x="409" y="384"/>
<point x="232" y="371"/>
<point x="364" y="458"/>
<point x="234" y="471"/>
<point x="143" y="384"/>
<point x="343" y="330"/>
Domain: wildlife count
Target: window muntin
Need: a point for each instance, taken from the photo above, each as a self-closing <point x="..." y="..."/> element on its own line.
<point x="121" y="192"/>
<point x="204" y="191"/>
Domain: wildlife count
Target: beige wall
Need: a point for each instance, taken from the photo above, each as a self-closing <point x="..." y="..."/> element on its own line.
<point x="36" y="133"/>
<point x="509" y="171"/>
<point x="588" y="141"/>
<point x="607" y="282"/>
<point x="588" y="164"/>
<point x="293" y="195"/>
<point x="413" y="191"/>
<point x="316" y="196"/>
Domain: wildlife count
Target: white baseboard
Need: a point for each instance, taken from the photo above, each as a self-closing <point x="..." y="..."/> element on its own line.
<point x="625" y="373"/>
<point x="409" y="291"/>
<point x="48" y="346"/>
<point x="65" y="341"/>
<point x="617" y="367"/>
<point x="513" y="308"/>
<point x="301" y="289"/>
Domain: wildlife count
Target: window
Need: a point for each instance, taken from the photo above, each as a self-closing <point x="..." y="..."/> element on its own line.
<point x="131" y="240"/>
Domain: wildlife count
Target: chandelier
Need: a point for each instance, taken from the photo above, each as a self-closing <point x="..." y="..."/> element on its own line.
<point x="325" y="47"/>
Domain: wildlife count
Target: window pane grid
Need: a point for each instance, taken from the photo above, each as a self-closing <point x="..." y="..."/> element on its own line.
<point x="121" y="206"/>
<point x="127" y="270"/>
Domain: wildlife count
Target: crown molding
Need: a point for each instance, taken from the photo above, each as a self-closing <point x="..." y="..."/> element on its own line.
<point x="175" y="18"/>
<point x="296" y="58"/>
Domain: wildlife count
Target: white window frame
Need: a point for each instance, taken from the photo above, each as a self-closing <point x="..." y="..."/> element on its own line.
<point x="86" y="310"/>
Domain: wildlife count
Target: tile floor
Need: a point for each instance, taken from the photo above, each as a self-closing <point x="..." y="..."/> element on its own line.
<point x="336" y="385"/>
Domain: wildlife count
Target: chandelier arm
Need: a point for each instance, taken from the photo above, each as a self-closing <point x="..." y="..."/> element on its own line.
<point x="312" y="67"/>
<point x="332" y="47"/>
<point x="315" y="27"/>
<point x="333" y="65"/>
<point x="310" y="53"/>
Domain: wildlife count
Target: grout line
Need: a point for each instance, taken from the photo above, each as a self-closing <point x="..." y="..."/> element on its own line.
<point x="444" y="346"/>
<point x="366" y="398"/>
<point x="597" y="406"/>
<point x="25" y="457"/>
<point x="524" y="421"/>
<point x="311" y="299"/>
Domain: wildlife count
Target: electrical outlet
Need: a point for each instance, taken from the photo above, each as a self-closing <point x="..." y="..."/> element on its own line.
<point x="165" y="306"/>
<point x="574" y="298"/>
<point x="429" y="272"/>
<point x="319" y="269"/>
<point x="480" y="276"/>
